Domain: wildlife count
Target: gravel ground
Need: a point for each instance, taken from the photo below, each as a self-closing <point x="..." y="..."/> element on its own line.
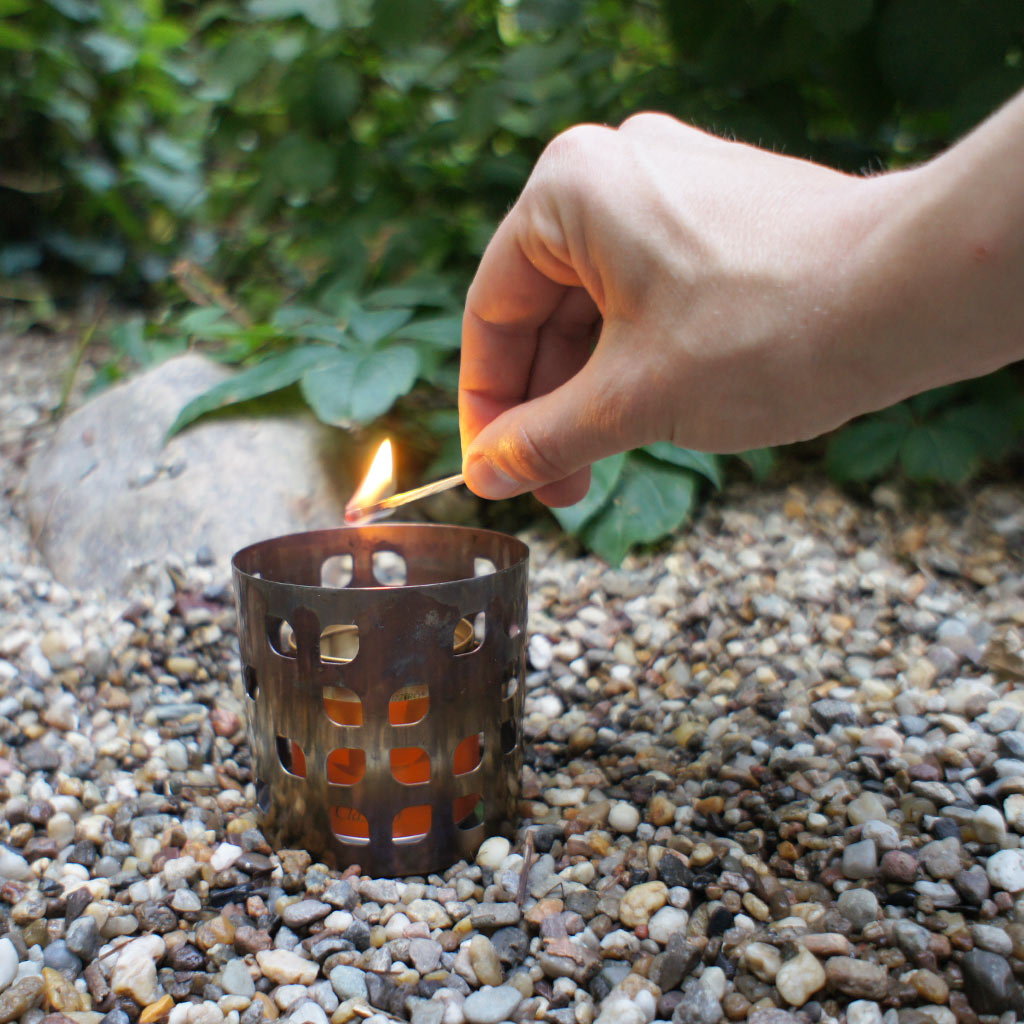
<point x="776" y="774"/>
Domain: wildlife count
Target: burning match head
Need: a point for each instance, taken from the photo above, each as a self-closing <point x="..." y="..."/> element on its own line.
<point x="379" y="483"/>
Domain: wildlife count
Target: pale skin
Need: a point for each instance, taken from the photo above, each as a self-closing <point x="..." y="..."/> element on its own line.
<point x="654" y="282"/>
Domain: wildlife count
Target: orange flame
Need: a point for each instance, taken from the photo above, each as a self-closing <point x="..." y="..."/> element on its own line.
<point x="379" y="482"/>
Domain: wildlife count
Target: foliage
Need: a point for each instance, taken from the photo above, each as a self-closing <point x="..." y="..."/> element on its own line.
<point x="942" y="436"/>
<point x="337" y="166"/>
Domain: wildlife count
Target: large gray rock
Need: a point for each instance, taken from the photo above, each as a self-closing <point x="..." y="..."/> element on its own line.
<point x="108" y="497"/>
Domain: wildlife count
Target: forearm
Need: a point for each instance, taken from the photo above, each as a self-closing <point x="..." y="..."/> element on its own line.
<point x="941" y="280"/>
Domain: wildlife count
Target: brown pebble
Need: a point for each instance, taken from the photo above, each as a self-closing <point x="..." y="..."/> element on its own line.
<point x="710" y="805"/>
<point x="930" y="986"/>
<point x="898" y="866"/>
<point x="542" y="909"/>
<point x="223" y="722"/>
<point x="962" y="1009"/>
<point x="787" y="851"/>
<point x="826" y="944"/>
<point x="736" y="1006"/>
<point x="217" y="929"/>
<point x="251" y="940"/>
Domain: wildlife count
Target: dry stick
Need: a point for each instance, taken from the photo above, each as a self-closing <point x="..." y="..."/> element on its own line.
<point x="203" y="290"/>
<point x="524" y="876"/>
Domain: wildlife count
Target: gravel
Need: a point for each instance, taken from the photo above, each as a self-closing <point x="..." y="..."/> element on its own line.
<point x="775" y="774"/>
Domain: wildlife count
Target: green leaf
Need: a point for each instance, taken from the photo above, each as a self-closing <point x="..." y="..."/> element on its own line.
<point x="604" y="475"/>
<point x="129" y="338"/>
<point x="709" y="466"/>
<point x="14" y="37"/>
<point x="650" y="500"/>
<point x="867" y="448"/>
<point x="271" y="375"/>
<point x="323" y="14"/>
<point x="115" y="54"/>
<point x="934" y="451"/>
<point x="990" y="427"/>
<point x="760" y="462"/>
<point x="442" y="332"/>
<point x="371" y="326"/>
<point x="357" y="387"/>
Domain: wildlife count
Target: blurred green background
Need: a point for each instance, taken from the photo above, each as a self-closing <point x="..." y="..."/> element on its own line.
<point x="303" y="187"/>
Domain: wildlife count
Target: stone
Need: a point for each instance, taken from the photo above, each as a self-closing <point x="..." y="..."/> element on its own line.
<point x="799" y="978"/>
<point x="989" y="825"/>
<point x="14" y="867"/>
<point x="866" y="807"/>
<point x="860" y="860"/>
<point x="858" y="906"/>
<point x="303" y="913"/>
<point x="941" y="857"/>
<point x="856" y="978"/>
<point x="862" y="1011"/>
<point x="348" y="983"/>
<point x="641" y="901"/>
<point x="484" y="960"/>
<point x="992" y="938"/>
<point x="898" y="866"/>
<point x="20" y="997"/>
<point x="489" y="1005"/>
<point x="493" y="852"/>
<point x="665" y="923"/>
<point x="1005" y="870"/>
<point x="762" y="960"/>
<point x="307" y="1012"/>
<point x="236" y="980"/>
<point x="487" y="916"/>
<point x="8" y="962"/>
<point x="699" y="1005"/>
<point x="60" y="994"/>
<point x="624" y="818"/>
<point x="221" y="483"/>
<point x="989" y="983"/>
<point x="134" y="971"/>
<point x="426" y="955"/>
<point x="286" y="968"/>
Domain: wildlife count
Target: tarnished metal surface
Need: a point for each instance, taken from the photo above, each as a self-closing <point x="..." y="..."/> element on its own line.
<point x="332" y="674"/>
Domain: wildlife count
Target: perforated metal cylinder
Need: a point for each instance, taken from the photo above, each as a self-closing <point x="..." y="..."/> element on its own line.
<point x="384" y="670"/>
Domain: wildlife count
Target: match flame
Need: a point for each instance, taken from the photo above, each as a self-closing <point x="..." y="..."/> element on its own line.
<point x="379" y="482"/>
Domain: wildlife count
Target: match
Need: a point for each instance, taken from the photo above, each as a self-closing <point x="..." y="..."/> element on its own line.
<point x="367" y="513"/>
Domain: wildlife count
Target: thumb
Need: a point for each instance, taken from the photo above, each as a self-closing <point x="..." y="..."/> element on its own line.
<point x="548" y="443"/>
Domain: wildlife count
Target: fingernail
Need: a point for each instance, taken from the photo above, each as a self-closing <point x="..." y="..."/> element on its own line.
<point x="488" y="481"/>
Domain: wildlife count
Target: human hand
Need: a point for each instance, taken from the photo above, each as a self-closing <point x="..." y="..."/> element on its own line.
<point x="657" y="283"/>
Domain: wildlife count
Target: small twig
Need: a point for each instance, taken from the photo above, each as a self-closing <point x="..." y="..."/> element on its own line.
<point x="203" y="290"/>
<point x="524" y="876"/>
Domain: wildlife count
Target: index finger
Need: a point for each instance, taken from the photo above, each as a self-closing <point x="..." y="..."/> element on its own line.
<point x="507" y="303"/>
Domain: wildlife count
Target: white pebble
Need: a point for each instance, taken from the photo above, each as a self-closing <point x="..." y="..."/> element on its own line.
<point x="493" y="851"/>
<point x="624" y="818"/>
<point x="798" y="979"/>
<point x="1005" y="870"/>
<point x="989" y="825"/>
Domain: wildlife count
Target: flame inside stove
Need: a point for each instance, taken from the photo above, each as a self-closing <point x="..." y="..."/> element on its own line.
<point x="379" y="483"/>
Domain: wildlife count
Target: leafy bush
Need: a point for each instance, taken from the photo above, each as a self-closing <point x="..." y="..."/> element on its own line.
<point x="337" y="168"/>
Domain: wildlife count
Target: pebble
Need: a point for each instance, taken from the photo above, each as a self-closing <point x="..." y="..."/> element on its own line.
<point x="484" y="960"/>
<point x="8" y="962"/>
<point x="860" y="860"/>
<point x="490" y="1005"/>
<point x="348" y="983"/>
<point x="624" y="818"/>
<point x="236" y="980"/>
<point x="493" y="852"/>
<point x="1005" y="870"/>
<point x="941" y="857"/>
<point x="134" y="973"/>
<point x="641" y="901"/>
<point x="285" y="967"/>
<point x="20" y="997"/>
<point x="859" y="906"/>
<point x="799" y="978"/>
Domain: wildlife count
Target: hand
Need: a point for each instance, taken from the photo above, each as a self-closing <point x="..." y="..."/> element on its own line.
<point x="657" y="283"/>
